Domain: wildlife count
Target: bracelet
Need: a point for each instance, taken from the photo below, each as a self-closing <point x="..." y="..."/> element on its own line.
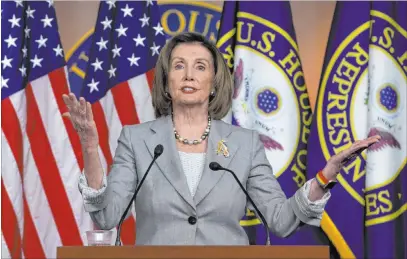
<point x="324" y="182"/>
<point x="321" y="178"/>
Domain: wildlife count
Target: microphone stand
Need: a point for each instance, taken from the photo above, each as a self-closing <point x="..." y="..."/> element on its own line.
<point x="157" y="152"/>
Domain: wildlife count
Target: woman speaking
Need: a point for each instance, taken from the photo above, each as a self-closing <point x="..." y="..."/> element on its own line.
<point x="182" y="200"/>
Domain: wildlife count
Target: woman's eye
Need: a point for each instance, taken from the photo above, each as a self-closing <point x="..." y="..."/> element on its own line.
<point x="201" y="68"/>
<point x="178" y="66"/>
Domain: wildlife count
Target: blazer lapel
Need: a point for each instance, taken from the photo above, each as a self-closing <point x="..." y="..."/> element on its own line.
<point x="169" y="162"/>
<point x="210" y="178"/>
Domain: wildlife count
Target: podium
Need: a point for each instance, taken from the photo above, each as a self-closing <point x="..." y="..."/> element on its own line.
<point x="201" y="252"/>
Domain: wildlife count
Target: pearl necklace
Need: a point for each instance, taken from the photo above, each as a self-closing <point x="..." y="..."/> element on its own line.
<point x="196" y="141"/>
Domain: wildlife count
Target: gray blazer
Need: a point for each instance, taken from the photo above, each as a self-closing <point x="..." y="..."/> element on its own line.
<point x="164" y="204"/>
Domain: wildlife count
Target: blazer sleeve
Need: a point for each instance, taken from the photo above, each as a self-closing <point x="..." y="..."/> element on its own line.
<point x="107" y="205"/>
<point x="284" y="216"/>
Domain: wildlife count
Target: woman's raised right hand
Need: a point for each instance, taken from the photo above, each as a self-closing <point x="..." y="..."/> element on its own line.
<point x="81" y="116"/>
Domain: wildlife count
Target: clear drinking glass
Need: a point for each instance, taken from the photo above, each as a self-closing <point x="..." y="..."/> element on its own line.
<point x="99" y="237"/>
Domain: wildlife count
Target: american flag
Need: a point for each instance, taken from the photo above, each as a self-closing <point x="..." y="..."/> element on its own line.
<point x="127" y="40"/>
<point x="41" y="205"/>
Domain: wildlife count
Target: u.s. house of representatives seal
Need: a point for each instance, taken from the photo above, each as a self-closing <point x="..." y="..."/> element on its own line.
<point x="270" y="94"/>
<point x="364" y="92"/>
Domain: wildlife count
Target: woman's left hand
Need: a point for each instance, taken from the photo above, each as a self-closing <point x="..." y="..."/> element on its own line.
<point x="336" y="162"/>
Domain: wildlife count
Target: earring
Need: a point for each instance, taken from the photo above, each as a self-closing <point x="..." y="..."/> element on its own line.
<point x="213" y="93"/>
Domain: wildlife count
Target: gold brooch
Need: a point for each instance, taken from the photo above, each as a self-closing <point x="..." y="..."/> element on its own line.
<point x="222" y="148"/>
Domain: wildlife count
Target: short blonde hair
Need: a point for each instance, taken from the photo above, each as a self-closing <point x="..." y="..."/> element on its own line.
<point x="220" y="104"/>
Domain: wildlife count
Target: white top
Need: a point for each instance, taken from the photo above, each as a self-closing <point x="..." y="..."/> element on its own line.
<point x="193" y="165"/>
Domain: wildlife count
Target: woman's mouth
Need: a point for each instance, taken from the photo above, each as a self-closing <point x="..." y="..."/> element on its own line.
<point x="188" y="89"/>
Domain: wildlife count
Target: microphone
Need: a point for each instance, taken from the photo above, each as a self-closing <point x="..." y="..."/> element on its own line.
<point x="216" y="167"/>
<point x="157" y="152"/>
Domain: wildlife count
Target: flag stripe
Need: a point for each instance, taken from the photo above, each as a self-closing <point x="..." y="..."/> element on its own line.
<point x="150" y="78"/>
<point x="9" y="224"/>
<point x="49" y="174"/>
<point x="59" y="86"/>
<point x="33" y="190"/>
<point x="39" y="208"/>
<point x="124" y="104"/>
<point x="128" y="232"/>
<point x="140" y="90"/>
<point x="12" y="131"/>
<point x="11" y="180"/>
<point x="112" y="119"/>
<point x="31" y="243"/>
<point x="5" y="253"/>
<point x="13" y="139"/>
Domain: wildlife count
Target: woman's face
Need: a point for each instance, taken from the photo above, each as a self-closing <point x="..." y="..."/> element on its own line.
<point x="191" y="75"/>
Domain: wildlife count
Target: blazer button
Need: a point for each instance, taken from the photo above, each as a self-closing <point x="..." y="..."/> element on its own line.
<point x="192" y="220"/>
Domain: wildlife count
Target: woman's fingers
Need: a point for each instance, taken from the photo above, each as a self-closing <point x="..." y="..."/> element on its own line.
<point x="82" y="110"/>
<point x="373" y="139"/>
<point x="70" y="104"/>
<point x="69" y="99"/>
<point x="65" y="97"/>
<point x="72" y="97"/>
<point x="362" y="145"/>
<point x="357" y="148"/>
<point x="89" y="113"/>
<point x="66" y="114"/>
<point x="77" y="111"/>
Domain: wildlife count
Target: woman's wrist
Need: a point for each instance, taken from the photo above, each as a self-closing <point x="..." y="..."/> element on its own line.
<point x="330" y="171"/>
<point x="89" y="150"/>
